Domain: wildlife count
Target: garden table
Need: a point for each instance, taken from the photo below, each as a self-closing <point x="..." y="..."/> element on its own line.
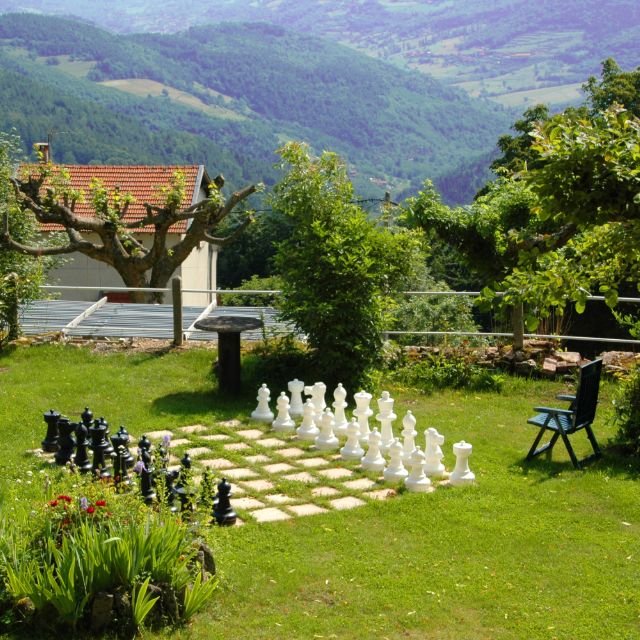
<point x="229" y="329"/>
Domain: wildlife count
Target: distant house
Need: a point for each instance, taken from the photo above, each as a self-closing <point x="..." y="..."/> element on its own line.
<point x="198" y="271"/>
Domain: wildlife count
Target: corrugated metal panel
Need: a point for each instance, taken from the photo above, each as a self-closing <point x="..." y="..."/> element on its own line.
<point x="126" y="320"/>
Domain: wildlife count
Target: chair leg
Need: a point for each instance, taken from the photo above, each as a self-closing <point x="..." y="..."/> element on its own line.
<point x="593" y="441"/>
<point x="547" y="447"/>
<point x="572" y="455"/>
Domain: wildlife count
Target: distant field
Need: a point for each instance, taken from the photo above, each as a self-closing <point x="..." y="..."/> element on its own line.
<point x="560" y="94"/>
<point x="143" y="87"/>
<point x="75" y="68"/>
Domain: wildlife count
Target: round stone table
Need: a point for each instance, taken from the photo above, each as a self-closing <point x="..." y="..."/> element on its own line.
<point x="229" y="329"/>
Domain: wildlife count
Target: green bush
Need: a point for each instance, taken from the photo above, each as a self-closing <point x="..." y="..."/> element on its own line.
<point x="627" y="407"/>
<point x="449" y="371"/>
<point x="340" y="271"/>
<point x="255" y="283"/>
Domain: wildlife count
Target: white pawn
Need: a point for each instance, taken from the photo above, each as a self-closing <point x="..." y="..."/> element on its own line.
<point x="395" y="470"/>
<point x="417" y="482"/>
<point x="352" y="449"/>
<point x="409" y="434"/>
<point x="283" y="422"/>
<point x="327" y="439"/>
<point x="296" y="387"/>
<point x="317" y="392"/>
<point x="339" y="394"/>
<point x="433" y="466"/>
<point x="373" y="460"/>
<point x="308" y="429"/>
<point x="262" y="411"/>
<point x="462" y="475"/>
<point x="363" y="412"/>
<point x="385" y="418"/>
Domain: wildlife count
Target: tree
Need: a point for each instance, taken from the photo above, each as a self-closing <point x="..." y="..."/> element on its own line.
<point x="615" y="87"/>
<point x="45" y="191"/>
<point x="20" y="275"/>
<point x="339" y="269"/>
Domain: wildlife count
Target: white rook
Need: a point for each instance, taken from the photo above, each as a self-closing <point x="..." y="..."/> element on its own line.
<point x="462" y="475"/>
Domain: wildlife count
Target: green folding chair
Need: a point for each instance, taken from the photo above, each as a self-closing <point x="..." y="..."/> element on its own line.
<point x="565" y="422"/>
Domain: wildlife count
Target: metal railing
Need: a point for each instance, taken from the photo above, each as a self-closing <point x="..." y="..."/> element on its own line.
<point x="180" y="333"/>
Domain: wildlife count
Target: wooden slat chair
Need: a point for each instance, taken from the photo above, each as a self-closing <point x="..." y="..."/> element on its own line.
<point x="580" y="415"/>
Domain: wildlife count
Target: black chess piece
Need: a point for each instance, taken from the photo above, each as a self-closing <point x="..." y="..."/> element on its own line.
<point x="50" y="442"/>
<point x="223" y="511"/>
<point x="186" y="461"/>
<point x="146" y="484"/>
<point x="171" y="490"/>
<point x="144" y="444"/>
<point x="82" y="444"/>
<point x="97" y="433"/>
<point x="106" y="443"/>
<point x="66" y="441"/>
<point x="120" y="475"/>
<point x="125" y="439"/>
<point x="87" y="417"/>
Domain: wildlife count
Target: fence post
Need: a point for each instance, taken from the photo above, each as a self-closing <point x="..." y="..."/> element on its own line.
<point x="517" y="319"/>
<point x="176" y="293"/>
<point x="13" y="304"/>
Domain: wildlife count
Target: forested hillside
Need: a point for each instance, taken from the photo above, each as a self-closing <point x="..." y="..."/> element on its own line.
<point x="514" y="51"/>
<point x="247" y="88"/>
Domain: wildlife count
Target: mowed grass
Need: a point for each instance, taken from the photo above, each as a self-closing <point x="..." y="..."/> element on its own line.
<point x="532" y="551"/>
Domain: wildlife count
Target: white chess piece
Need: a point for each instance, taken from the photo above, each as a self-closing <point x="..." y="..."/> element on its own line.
<point x="417" y="482"/>
<point x="296" y="387"/>
<point x="262" y="411"/>
<point x="339" y="394"/>
<point x="409" y="434"/>
<point x="433" y="466"/>
<point x="308" y="429"/>
<point x="283" y="421"/>
<point x="462" y="475"/>
<point x="395" y="471"/>
<point x="352" y="449"/>
<point x="373" y="460"/>
<point x="363" y="412"/>
<point x="385" y="418"/>
<point x="327" y="439"/>
<point x="317" y="392"/>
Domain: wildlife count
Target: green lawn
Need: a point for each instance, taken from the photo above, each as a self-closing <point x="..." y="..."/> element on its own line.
<point x="533" y="551"/>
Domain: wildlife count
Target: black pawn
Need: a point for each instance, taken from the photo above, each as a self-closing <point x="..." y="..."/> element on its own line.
<point x="146" y="485"/>
<point x="125" y="439"/>
<point x="82" y="444"/>
<point x="120" y="466"/>
<point x="186" y="461"/>
<point x="66" y="442"/>
<point x="50" y="442"/>
<point x="87" y="417"/>
<point x="144" y="444"/>
<point x="223" y="511"/>
<point x="106" y="444"/>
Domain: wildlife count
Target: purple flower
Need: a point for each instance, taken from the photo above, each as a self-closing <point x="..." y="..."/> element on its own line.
<point x="139" y="467"/>
<point x="84" y="504"/>
<point x="166" y="439"/>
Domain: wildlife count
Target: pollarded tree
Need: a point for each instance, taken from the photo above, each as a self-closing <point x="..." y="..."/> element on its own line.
<point x="45" y="191"/>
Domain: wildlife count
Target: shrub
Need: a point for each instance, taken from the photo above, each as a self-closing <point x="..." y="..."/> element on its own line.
<point x="255" y="283"/>
<point x="339" y="269"/>
<point x="449" y="371"/>
<point x="627" y="407"/>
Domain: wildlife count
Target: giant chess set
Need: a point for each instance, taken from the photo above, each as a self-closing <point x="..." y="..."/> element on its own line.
<point x="305" y="459"/>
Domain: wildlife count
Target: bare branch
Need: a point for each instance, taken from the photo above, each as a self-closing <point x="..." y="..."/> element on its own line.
<point x="236" y="198"/>
<point x="221" y="242"/>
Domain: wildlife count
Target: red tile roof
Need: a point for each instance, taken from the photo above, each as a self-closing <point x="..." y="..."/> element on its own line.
<point x="141" y="182"/>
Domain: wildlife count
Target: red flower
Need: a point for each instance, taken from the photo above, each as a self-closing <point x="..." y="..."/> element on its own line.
<point x="65" y="498"/>
<point x="53" y="503"/>
<point x="91" y="509"/>
<point x="101" y="503"/>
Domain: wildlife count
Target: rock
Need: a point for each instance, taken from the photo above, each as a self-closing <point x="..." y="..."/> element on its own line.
<point x="209" y="562"/>
<point x="527" y="367"/>
<point x="519" y="356"/>
<point x="549" y="367"/>
<point x="102" y="611"/>
<point x="571" y="357"/>
<point x="565" y="367"/>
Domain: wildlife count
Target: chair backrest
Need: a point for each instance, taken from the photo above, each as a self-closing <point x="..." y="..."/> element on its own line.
<point x="587" y="394"/>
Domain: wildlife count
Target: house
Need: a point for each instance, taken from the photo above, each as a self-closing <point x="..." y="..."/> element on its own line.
<point x="198" y="271"/>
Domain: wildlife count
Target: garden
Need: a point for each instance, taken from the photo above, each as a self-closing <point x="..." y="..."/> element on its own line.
<point x="531" y="550"/>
